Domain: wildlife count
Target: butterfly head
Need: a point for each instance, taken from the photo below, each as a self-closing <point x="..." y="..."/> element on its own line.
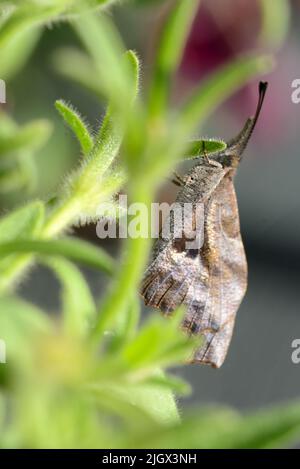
<point x="232" y="156"/>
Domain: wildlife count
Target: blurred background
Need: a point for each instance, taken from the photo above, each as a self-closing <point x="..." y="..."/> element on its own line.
<point x="258" y="370"/>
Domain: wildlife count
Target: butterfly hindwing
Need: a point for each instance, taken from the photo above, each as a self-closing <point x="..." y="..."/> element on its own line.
<point x="210" y="282"/>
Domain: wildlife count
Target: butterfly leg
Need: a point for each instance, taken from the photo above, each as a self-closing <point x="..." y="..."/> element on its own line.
<point x="178" y="181"/>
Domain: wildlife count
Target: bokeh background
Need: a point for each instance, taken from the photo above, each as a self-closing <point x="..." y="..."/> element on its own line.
<point x="258" y="369"/>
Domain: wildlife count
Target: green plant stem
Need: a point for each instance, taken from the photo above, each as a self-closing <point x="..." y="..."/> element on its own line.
<point x="136" y="251"/>
<point x="58" y="221"/>
<point x="70" y="248"/>
<point x="222" y="84"/>
<point x="62" y="217"/>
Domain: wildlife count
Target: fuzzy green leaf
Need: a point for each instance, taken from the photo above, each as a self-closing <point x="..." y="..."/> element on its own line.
<point x="73" y="119"/>
<point x="198" y="148"/>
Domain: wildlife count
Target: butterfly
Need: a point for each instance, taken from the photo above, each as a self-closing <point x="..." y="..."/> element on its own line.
<point x="210" y="280"/>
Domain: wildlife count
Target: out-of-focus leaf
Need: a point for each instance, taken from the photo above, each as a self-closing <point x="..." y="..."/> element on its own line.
<point x="220" y="86"/>
<point x="177" y="385"/>
<point x="105" y="47"/>
<point x="22" y="223"/>
<point x="27" y="16"/>
<point x="204" y="429"/>
<point x="147" y="2"/>
<point x="159" y="403"/>
<point x="16" y="52"/>
<point x="12" y="179"/>
<point x="125" y="326"/>
<point x="72" y="248"/>
<point x="17" y="148"/>
<point x="276" y="427"/>
<point x="218" y="428"/>
<point x="79" y="308"/>
<point x="170" y="51"/>
<point x="25" y="222"/>
<point x="30" y="137"/>
<point x="30" y="14"/>
<point x="159" y="343"/>
<point x="77" y="66"/>
<point x="275" y="22"/>
<point x="19" y="321"/>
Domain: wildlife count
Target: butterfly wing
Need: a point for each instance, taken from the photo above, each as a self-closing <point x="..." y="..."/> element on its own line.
<point x="211" y="282"/>
<point x="175" y="275"/>
<point x="224" y="251"/>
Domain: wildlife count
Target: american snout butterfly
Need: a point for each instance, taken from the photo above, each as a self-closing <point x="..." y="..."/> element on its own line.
<point x="210" y="281"/>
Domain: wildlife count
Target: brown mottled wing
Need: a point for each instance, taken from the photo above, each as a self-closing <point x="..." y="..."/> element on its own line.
<point x="210" y="282"/>
<point x="224" y="251"/>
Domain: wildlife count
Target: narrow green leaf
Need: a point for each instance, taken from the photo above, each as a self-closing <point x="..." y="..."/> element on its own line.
<point x="107" y="144"/>
<point x="132" y="64"/>
<point x="72" y="248"/>
<point x="78" y="304"/>
<point x="17" y="51"/>
<point x="106" y="49"/>
<point x="32" y="14"/>
<point x="275" y="22"/>
<point x="125" y="327"/>
<point x="220" y="86"/>
<point x="25" y="222"/>
<point x="131" y="320"/>
<point x="198" y="148"/>
<point x="22" y="223"/>
<point x="77" y="66"/>
<point x="128" y="276"/>
<point x="25" y="17"/>
<point x="72" y="117"/>
<point x="170" y="50"/>
<point x="30" y="137"/>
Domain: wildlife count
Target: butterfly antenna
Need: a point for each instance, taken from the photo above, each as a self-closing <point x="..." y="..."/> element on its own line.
<point x="238" y="144"/>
